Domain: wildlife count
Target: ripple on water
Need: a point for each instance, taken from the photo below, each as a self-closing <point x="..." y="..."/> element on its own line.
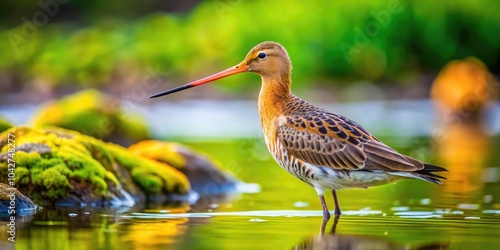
<point x="472" y="218"/>
<point x="491" y="211"/>
<point x="400" y="208"/>
<point x="264" y="213"/>
<point x="448" y="211"/>
<point x="418" y="214"/>
<point x="301" y="204"/>
<point x="466" y="206"/>
<point x="257" y="220"/>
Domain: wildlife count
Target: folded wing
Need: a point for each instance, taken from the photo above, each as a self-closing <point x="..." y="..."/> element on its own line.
<point x="327" y="139"/>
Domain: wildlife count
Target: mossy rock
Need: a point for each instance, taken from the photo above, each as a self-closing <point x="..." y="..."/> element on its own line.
<point x="207" y="177"/>
<point x="92" y="113"/>
<point x="56" y="166"/>
<point x="12" y="199"/>
<point x="4" y="124"/>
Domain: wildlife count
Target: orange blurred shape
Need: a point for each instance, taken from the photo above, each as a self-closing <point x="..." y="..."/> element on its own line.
<point x="461" y="92"/>
<point x="463" y="86"/>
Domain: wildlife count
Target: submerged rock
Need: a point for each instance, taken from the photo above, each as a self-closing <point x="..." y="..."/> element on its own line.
<point x="62" y="167"/>
<point x="11" y="199"/>
<point x="205" y="175"/>
<point x="92" y="113"/>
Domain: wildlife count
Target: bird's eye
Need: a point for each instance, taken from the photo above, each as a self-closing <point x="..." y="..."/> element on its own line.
<point x="262" y="55"/>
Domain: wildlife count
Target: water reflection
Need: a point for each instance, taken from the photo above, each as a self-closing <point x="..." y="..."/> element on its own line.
<point x="337" y="241"/>
<point x="153" y="233"/>
<point x="462" y="92"/>
<point x="465" y="158"/>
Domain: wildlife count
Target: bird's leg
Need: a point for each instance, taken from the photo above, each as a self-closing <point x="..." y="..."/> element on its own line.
<point x="337" y="207"/>
<point x="326" y="214"/>
<point x="334" y="226"/>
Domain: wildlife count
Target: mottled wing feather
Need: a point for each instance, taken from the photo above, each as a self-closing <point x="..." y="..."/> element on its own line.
<point x="326" y="139"/>
<point x="320" y="150"/>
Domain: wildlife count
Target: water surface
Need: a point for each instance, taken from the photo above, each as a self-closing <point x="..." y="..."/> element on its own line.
<point x="285" y="213"/>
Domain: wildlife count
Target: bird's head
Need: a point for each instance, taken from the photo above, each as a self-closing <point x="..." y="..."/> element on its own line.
<point x="268" y="59"/>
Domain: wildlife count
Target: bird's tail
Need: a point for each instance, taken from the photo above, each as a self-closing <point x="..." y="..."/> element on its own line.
<point x="425" y="174"/>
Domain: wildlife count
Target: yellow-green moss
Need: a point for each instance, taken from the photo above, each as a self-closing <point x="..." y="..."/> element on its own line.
<point x="152" y="183"/>
<point x="50" y="172"/>
<point x="145" y="170"/>
<point x="27" y="159"/>
<point x="160" y="151"/>
<point x="55" y="182"/>
<point x="167" y="152"/>
<point x="22" y="175"/>
<point x="92" y="113"/>
<point x="86" y="162"/>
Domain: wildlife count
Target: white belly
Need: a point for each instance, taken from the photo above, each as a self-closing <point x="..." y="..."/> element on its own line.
<point x="333" y="179"/>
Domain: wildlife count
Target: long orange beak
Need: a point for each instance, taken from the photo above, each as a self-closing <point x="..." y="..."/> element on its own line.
<point x="240" y="68"/>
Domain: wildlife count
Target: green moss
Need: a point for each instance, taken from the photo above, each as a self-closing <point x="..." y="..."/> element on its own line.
<point x="145" y="172"/>
<point x="51" y="173"/>
<point x="92" y="113"/>
<point x="111" y="177"/>
<point x="63" y="169"/>
<point x="45" y="163"/>
<point x="81" y="162"/>
<point x="27" y="159"/>
<point x="34" y="176"/>
<point x="150" y="183"/>
<point x="132" y="125"/>
<point x="23" y="175"/>
<point x="52" y="180"/>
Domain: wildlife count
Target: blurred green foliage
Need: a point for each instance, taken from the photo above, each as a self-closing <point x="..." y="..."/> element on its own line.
<point x="93" y="113"/>
<point x="330" y="41"/>
<point x="4" y="124"/>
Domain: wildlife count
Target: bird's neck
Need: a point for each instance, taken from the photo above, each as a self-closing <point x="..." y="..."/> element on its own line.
<point x="274" y="96"/>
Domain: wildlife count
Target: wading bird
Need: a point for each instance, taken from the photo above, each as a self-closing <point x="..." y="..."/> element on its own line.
<point x="323" y="149"/>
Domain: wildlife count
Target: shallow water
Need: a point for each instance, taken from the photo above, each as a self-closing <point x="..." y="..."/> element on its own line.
<point x="213" y="119"/>
<point x="284" y="214"/>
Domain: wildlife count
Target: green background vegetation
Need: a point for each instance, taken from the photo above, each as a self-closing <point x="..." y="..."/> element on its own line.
<point x="102" y="44"/>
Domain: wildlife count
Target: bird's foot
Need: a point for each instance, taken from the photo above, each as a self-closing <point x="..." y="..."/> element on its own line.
<point x="337" y="212"/>
<point x="326" y="215"/>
